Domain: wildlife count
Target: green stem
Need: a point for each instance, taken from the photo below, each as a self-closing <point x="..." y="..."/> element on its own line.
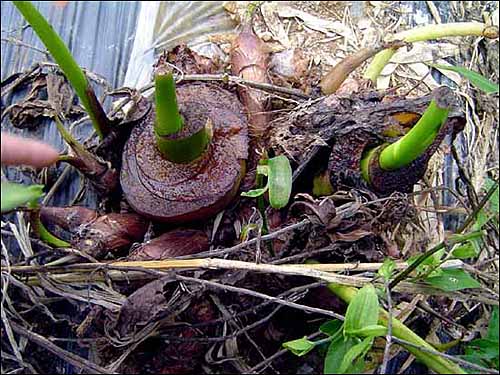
<point x="169" y="125"/>
<point x="67" y="63"/>
<point x="261" y="206"/>
<point x="428" y="32"/>
<point x="46" y="236"/>
<point x="40" y="229"/>
<point x="399" y="330"/>
<point x="168" y="118"/>
<point x="417" y="140"/>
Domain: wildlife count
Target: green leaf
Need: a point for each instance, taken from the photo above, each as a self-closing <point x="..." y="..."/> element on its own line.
<point x="370" y="331"/>
<point x="362" y="311"/>
<point x="488" y="348"/>
<point x="280" y="181"/>
<point x="464" y="251"/>
<point x="453" y="279"/>
<point x="14" y="195"/>
<point x="493" y="201"/>
<point x="475" y="78"/>
<point x="387" y="269"/>
<point x="263" y="169"/>
<point x="299" y="347"/>
<point x="255" y="192"/>
<point x="331" y="327"/>
<point x="493" y="326"/>
<point x="356" y="352"/>
<point x="336" y="352"/>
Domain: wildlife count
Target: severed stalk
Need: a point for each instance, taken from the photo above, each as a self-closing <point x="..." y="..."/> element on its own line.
<point x="177" y="141"/>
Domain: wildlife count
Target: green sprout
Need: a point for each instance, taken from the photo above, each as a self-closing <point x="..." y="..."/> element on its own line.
<point x="172" y="143"/>
<point x="67" y="63"/>
<point x="279" y="182"/>
<point x="16" y="195"/>
<point x="428" y="32"/>
<point x="436" y="363"/>
<point x="414" y="143"/>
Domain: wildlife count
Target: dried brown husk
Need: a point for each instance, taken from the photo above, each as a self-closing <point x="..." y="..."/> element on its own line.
<point x="171" y="244"/>
<point x="68" y="218"/>
<point x="249" y="60"/>
<point x="110" y="233"/>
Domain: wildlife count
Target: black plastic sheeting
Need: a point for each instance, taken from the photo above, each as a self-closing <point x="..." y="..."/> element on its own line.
<point x="100" y="36"/>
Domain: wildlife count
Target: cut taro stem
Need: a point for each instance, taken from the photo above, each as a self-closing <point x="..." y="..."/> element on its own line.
<point x="428" y="32"/>
<point x="419" y="138"/>
<point x="176" y="143"/>
<point x="68" y="65"/>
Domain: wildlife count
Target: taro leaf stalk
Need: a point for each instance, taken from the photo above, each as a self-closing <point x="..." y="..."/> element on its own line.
<point x="415" y="143"/>
<point x="68" y="65"/>
<point x="100" y="173"/>
<point x="176" y="142"/>
<point x="428" y="32"/>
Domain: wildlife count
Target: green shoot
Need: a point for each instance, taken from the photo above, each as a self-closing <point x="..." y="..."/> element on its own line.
<point x="428" y="32"/>
<point x="67" y="63"/>
<point x="279" y="182"/>
<point x="45" y="235"/>
<point x="412" y="145"/>
<point x="175" y="146"/>
<point x="168" y="118"/>
<point x="15" y="195"/>
<point x="399" y="330"/>
<point x="418" y="139"/>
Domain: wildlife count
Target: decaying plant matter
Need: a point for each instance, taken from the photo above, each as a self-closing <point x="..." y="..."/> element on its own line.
<point x="176" y="278"/>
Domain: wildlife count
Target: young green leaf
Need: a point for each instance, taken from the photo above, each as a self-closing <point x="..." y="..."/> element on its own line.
<point x="336" y="352"/>
<point x="255" y="192"/>
<point x="370" y="331"/>
<point x="493" y="326"/>
<point x="362" y="311"/>
<point x="493" y="201"/>
<point x="331" y="327"/>
<point x="14" y="195"/>
<point x="451" y="280"/>
<point x="485" y="351"/>
<point x="357" y="352"/>
<point x="263" y="169"/>
<point x="280" y="181"/>
<point x="475" y="78"/>
<point x="299" y="347"/>
<point x="387" y="269"/>
<point x="464" y="251"/>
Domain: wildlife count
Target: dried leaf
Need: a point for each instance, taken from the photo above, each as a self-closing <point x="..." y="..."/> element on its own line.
<point x="316" y="23"/>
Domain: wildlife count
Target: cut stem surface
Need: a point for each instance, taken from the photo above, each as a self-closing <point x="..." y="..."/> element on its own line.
<point x="176" y="143"/>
